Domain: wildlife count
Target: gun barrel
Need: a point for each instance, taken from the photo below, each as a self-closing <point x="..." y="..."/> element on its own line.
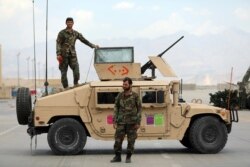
<point x="159" y="55"/>
<point x="149" y="63"/>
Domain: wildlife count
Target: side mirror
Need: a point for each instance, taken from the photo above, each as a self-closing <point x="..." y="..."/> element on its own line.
<point x="160" y="96"/>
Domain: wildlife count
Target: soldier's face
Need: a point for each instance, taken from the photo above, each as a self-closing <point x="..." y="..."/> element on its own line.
<point x="126" y="86"/>
<point x="69" y="24"/>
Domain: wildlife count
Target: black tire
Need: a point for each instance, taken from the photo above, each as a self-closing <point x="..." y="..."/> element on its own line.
<point x="208" y="135"/>
<point x="186" y="142"/>
<point x="67" y="137"/>
<point x="23" y="105"/>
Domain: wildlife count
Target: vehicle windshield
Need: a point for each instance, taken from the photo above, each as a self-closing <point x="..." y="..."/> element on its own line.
<point x="114" y="55"/>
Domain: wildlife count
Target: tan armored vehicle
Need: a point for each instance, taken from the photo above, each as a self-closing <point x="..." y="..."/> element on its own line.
<point x="87" y="110"/>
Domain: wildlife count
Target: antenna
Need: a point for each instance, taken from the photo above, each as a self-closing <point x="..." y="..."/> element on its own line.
<point x="34" y="38"/>
<point x="89" y="68"/>
<point x="46" y="83"/>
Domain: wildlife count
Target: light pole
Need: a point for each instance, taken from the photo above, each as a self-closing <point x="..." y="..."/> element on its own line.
<point x="18" y="74"/>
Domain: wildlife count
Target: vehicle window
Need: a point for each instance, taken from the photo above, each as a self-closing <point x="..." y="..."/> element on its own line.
<point x="114" y="55"/>
<point x="106" y="97"/>
<point x="148" y="97"/>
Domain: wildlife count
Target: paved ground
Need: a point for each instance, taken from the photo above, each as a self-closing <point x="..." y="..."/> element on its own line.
<point x="15" y="149"/>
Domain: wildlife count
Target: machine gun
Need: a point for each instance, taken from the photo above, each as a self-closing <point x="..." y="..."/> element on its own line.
<point x="150" y="65"/>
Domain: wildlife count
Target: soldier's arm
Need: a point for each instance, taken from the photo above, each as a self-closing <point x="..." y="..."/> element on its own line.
<point x="84" y="40"/>
<point x="139" y="109"/>
<point x="59" y="44"/>
<point x="116" y="109"/>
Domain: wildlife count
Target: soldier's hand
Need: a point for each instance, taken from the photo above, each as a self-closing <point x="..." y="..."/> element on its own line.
<point x="137" y="126"/>
<point x="60" y="59"/>
<point x="114" y="125"/>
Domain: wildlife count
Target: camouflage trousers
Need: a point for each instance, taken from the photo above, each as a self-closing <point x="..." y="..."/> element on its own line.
<point x="72" y="62"/>
<point x="121" y="131"/>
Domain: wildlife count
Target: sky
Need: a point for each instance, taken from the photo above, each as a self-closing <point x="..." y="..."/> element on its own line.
<point x="113" y="20"/>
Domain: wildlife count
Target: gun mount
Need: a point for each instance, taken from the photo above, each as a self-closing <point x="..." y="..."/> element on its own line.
<point x="151" y="65"/>
<point x="115" y="63"/>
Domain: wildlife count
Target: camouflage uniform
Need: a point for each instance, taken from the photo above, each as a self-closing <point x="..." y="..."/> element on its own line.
<point x="65" y="46"/>
<point x="127" y="114"/>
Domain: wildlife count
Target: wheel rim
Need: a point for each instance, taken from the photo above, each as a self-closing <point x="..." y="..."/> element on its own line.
<point x="67" y="136"/>
<point x="209" y="134"/>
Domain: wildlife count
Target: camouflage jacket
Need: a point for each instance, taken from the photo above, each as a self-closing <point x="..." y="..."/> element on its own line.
<point x="65" y="42"/>
<point x="127" y="109"/>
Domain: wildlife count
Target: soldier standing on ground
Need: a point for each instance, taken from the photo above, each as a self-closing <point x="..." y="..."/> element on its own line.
<point x="127" y="119"/>
<point x="66" y="53"/>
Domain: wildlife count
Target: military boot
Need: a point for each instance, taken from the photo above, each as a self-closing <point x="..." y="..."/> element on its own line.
<point x="128" y="158"/>
<point x="117" y="158"/>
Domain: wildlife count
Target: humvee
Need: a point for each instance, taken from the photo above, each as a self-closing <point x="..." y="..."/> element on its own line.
<point x="70" y="116"/>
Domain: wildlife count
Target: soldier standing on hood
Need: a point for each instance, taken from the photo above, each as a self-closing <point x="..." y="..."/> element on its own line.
<point x="66" y="53"/>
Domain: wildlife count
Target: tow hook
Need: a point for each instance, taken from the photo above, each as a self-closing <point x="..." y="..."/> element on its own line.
<point x="31" y="131"/>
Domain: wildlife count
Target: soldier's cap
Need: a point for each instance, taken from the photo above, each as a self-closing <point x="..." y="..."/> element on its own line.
<point x="69" y="19"/>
